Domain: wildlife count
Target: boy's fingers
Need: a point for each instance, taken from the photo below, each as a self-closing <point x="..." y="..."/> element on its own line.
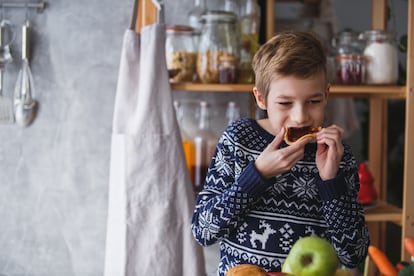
<point x="302" y="142"/>
<point x="278" y="139"/>
<point x="274" y="145"/>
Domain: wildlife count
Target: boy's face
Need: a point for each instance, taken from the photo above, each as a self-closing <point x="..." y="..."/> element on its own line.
<point x="295" y="102"/>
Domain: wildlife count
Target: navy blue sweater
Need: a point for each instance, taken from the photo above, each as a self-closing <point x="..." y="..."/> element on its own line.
<point x="257" y="220"/>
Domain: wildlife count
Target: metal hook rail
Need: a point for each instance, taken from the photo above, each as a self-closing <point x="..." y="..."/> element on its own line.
<point x="39" y="5"/>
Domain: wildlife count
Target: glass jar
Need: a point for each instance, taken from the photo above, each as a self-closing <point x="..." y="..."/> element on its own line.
<point x="180" y="53"/>
<point x="228" y="71"/>
<point x="346" y="43"/>
<point x="250" y="27"/>
<point x="205" y="141"/>
<point x="381" y="53"/>
<point x="219" y="38"/>
<point x="186" y="140"/>
<point x="349" y="64"/>
<point x="350" y="69"/>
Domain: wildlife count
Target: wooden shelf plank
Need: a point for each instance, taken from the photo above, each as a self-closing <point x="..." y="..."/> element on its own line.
<point x="391" y="91"/>
<point x="382" y="211"/>
<point x="188" y="86"/>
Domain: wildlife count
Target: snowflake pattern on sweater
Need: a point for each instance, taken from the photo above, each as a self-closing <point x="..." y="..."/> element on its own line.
<point x="257" y="221"/>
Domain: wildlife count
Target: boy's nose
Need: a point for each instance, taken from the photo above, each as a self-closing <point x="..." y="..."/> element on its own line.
<point x="299" y="115"/>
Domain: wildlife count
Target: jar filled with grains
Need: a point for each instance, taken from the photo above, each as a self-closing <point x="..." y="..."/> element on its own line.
<point x="218" y="41"/>
<point x="180" y="53"/>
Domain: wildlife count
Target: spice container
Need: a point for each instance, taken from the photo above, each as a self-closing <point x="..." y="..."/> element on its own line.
<point x="349" y="65"/>
<point x="381" y="53"/>
<point x="180" y="53"/>
<point x="218" y="39"/>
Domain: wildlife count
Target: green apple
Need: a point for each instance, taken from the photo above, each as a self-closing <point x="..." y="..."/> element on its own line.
<point x="311" y="256"/>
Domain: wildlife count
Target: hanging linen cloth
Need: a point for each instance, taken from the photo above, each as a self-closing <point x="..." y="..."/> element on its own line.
<point x="150" y="196"/>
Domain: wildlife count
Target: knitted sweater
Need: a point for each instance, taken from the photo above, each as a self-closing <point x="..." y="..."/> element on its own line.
<point x="257" y="221"/>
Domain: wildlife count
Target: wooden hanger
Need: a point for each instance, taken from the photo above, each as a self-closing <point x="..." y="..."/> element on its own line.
<point x="144" y="13"/>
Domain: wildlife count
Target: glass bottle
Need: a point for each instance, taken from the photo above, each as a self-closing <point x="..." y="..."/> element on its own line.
<point x="180" y="53"/>
<point x="218" y="39"/>
<point x="249" y="25"/>
<point x="232" y="112"/>
<point x="194" y="18"/>
<point x="187" y="141"/>
<point x="205" y="142"/>
<point x="381" y="52"/>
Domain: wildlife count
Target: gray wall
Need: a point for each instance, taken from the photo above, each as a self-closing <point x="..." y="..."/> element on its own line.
<point x="54" y="174"/>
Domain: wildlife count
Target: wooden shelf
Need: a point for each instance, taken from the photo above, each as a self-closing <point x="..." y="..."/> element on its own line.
<point x="189" y="86"/>
<point x="386" y="91"/>
<point x="391" y="91"/>
<point x="382" y="211"/>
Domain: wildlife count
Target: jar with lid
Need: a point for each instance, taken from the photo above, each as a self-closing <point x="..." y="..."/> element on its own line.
<point x="180" y="53"/>
<point x="349" y="64"/>
<point x="381" y="53"/>
<point x="219" y="39"/>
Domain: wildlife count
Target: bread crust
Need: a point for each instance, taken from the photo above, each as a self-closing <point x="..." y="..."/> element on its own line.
<point x="246" y="270"/>
<point x="294" y="134"/>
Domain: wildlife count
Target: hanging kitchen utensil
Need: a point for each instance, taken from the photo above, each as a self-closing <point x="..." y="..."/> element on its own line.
<point x="6" y="38"/>
<point x="24" y="103"/>
<point x="6" y="105"/>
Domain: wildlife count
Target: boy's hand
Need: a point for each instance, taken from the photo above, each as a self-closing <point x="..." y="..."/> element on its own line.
<point x="329" y="152"/>
<point x="274" y="161"/>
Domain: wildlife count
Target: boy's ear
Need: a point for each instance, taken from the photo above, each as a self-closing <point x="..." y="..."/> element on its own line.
<point x="260" y="100"/>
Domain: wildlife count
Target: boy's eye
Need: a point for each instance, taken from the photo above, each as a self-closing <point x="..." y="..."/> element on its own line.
<point x="315" y="101"/>
<point x="284" y="103"/>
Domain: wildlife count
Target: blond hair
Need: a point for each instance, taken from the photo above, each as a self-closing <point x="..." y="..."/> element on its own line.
<point x="296" y="53"/>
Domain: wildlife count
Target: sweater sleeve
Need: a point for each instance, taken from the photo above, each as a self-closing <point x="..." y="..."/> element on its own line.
<point x="227" y="194"/>
<point x="346" y="227"/>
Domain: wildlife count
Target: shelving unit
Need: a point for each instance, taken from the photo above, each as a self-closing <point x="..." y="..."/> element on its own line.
<point x="377" y="145"/>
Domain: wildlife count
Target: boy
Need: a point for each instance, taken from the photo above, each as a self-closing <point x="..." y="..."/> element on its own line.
<point x="260" y="194"/>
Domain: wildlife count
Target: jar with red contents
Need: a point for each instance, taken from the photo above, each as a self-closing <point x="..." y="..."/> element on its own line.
<point x="349" y="69"/>
<point x="349" y="61"/>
